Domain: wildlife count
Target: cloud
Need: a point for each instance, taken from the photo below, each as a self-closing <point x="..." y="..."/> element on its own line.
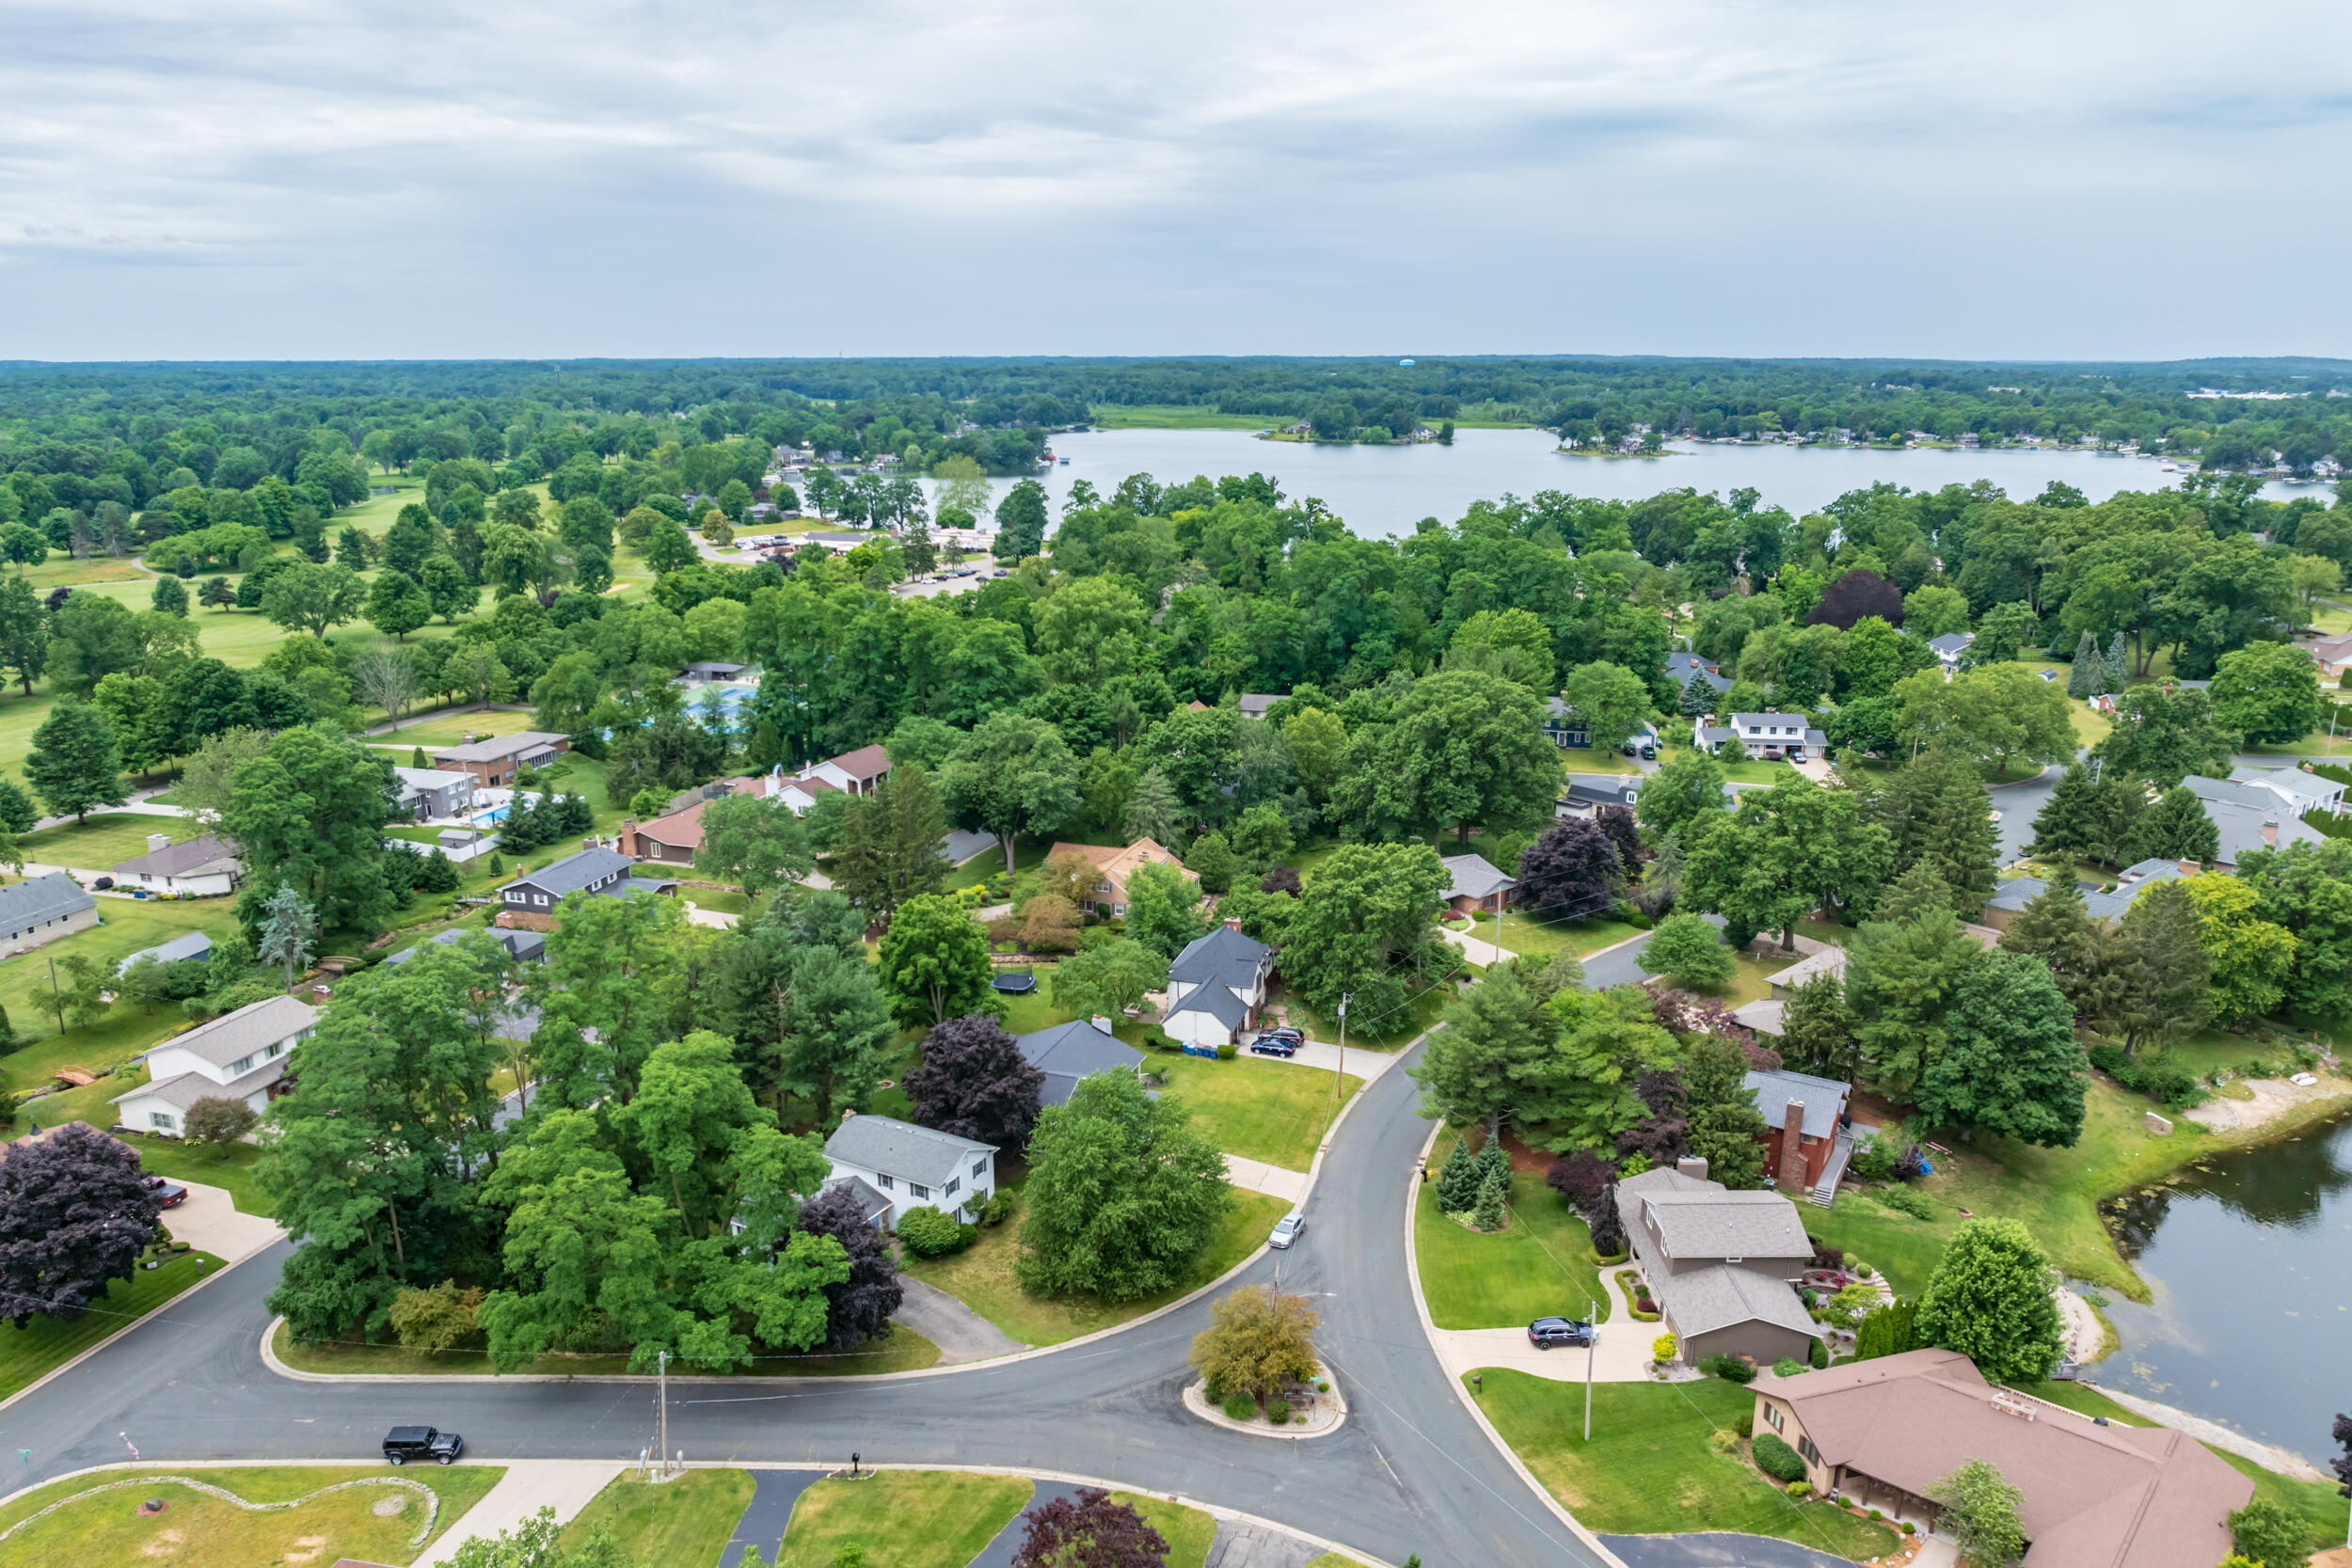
<point x="300" y="178"/>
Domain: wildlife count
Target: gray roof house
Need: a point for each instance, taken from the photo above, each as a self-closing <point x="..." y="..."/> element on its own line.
<point x="1721" y="1264"/>
<point x="240" y="1055"/>
<point x="1682" y="665"/>
<point x="1949" y="647"/>
<point x="2304" y="792"/>
<point x="601" y="871"/>
<point x="1477" y="884"/>
<point x="1069" y="1052"/>
<point x="191" y="944"/>
<point x="2012" y="896"/>
<point x="1771" y="734"/>
<point x="1254" y="704"/>
<point x="1215" y="987"/>
<point x="1587" y="794"/>
<point x="521" y="946"/>
<point x="42" y="909"/>
<point x="2249" y="817"/>
<point x="206" y="864"/>
<point x="430" y="792"/>
<point x="911" y="1167"/>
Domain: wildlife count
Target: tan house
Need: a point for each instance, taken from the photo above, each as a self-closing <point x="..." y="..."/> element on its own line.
<point x="1114" y="865"/>
<point x="41" y="908"/>
<point x="1881" y="1432"/>
<point x="493" y="762"/>
<point x="676" y="837"/>
<point x="1723" y="1266"/>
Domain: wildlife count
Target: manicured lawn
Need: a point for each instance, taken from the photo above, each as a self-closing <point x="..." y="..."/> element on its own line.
<point x="1539" y="1265"/>
<point x="45" y="1344"/>
<point x="903" y="1351"/>
<point x="684" y="1522"/>
<point x="1256" y="1107"/>
<point x="1649" y="1468"/>
<point x="1188" y="1531"/>
<point x="451" y="729"/>
<point x="196" y="1530"/>
<point x="903" y="1518"/>
<point x="1146" y="416"/>
<point x="981" y="1277"/>
<point x="1523" y="933"/>
<point x="1748" y="770"/>
<point x="1027" y="856"/>
<point x="105" y="840"/>
<point x="230" y="1168"/>
<point x="64" y="571"/>
<point x="1753" y="980"/>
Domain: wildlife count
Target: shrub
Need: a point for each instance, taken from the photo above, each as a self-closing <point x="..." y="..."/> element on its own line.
<point x="1663" y="1348"/>
<point x="1000" y="1207"/>
<point x="1904" y="1201"/>
<point x="1818" y="1355"/>
<point x="1799" y="1490"/>
<point x="1225" y="1050"/>
<point x="1826" y="1256"/>
<point x="1241" y="1406"/>
<point x="1279" y="1412"/>
<point x="1876" y="1516"/>
<point x="1729" y="1368"/>
<point x="1724" y="1440"/>
<point x="218" y="1120"/>
<point x="1258" y="1340"/>
<point x="1788" y="1366"/>
<point x="2156" y="1077"/>
<point x="1776" y="1459"/>
<point x="2265" y="1531"/>
<point x="1910" y="1529"/>
<point x="929" y="1233"/>
<point x="441" y="1318"/>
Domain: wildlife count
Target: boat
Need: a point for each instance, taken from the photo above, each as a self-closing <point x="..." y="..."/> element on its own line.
<point x="1063" y="461"/>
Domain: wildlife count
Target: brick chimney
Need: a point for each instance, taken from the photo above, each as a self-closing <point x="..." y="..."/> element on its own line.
<point x="1693" y="1165"/>
<point x="626" y="840"/>
<point x="1232" y="923"/>
<point x="2271" y="831"/>
<point x="1791" y="1172"/>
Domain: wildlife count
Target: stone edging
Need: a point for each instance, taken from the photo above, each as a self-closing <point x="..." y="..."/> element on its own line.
<point x="431" y="1499"/>
<point x="1429" y="1332"/>
<point x="1197" y="1402"/>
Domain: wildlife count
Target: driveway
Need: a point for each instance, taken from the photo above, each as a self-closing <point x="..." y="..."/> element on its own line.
<point x="566" y="1485"/>
<point x="1621" y="1355"/>
<point x="960" y="1334"/>
<point x="209" y="1222"/>
<point x="1258" y="1176"/>
<point x="1717" y="1549"/>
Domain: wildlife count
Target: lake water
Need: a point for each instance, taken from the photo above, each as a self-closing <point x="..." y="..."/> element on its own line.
<point x="2250" y="1263"/>
<point x="1386" y="490"/>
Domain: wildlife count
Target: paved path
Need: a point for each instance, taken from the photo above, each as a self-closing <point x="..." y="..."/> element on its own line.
<point x="1258" y="1176"/>
<point x="209" y="1222"/>
<point x="770" y="1512"/>
<point x="999" y="1552"/>
<point x="1717" y="1549"/>
<point x="697" y="916"/>
<point x="566" y="1485"/>
<point x="960" y="1334"/>
<point x="1486" y="955"/>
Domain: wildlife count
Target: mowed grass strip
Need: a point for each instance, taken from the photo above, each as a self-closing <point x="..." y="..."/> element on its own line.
<point x="684" y="1522"/>
<point x="1188" y="1531"/>
<point x="1259" y="1108"/>
<point x="1540" y="1266"/>
<point x="902" y="1351"/>
<point x="903" y="1518"/>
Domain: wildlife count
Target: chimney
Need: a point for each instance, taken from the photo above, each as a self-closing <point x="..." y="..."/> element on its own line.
<point x="1791" y="1172"/>
<point x="1693" y="1165"/>
<point x="1232" y="923"/>
<point x="158" y="841"/>
<point x="2190" y="868"/>
<point x="2271" y="831"/>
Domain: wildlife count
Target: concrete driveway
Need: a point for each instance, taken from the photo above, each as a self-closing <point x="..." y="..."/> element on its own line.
<point x="209" y="1222"/>
<point x="1621" y="1355"/>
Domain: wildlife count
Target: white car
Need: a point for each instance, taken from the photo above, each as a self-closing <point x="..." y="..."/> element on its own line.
<point x="1286" y="1229"/>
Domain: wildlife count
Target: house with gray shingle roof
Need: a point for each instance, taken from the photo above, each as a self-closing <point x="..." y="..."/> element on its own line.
<point x="1069" y="1052"/>
<point x="1682" y="665"/>
<point x="533" y="900"/>
<point x="1477" y="887"/>
<point x="911" y="1167"/>
<point x="1590" y="794"/>
<point x="42" y="909"/>
<point x="1216" y="986"/>
<point x="2249" y="817"/>
<point x="209" y="867"/>
<point x="1691" y="1236"/>
<point x="240" y="1055"/>
<point x="191" y="944"/>
<point x="1949" y="647"/>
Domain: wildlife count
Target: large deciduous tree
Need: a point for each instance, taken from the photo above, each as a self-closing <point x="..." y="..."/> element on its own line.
<point x="933" y="964"/>
<point x="1108" y="978"/>
<point x="75" y="1213"/>
<point x="2268" y="692"/>
<point x="2165" y="734"/>
<point x="2000" y="715"/>
<point x="1461" y="749"/>
<point x="752" y="841"/>
<point x="1013" y="777"/>
<point x="1571" y="873"/>
<point x="1122" y="1198"/>
<point x="1363" y="928"/>
<point x="1688" y="950"/>
<point x="1259" y="1339"/>
<point x="309" y="812"/>
<point x="74" y="764"/>
<point x="975" y="1084"/>
<point x="857" y="1310"/>
<point x="1990" y="1300"/>
<point x="2009" y="1064"/>
<point x="1786" y="851"/>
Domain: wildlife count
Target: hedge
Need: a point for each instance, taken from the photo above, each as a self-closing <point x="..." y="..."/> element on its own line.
<point x="1776" y="1459"/>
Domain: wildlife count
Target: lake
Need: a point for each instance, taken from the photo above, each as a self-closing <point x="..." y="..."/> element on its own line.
<point x="1382" y="491"/>
<point x="2250" y="1263"/>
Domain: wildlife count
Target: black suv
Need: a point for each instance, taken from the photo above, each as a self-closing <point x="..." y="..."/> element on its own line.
<point x="1275" y="1045"/>
<point x="402" y="1444"/>
<point x="1544" y="1333"/>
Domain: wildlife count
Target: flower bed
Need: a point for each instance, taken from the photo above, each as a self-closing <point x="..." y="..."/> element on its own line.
<point x="1628" y="1281"/>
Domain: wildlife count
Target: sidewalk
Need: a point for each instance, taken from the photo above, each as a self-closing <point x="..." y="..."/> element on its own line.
<point x="1484" y="954"/>
<point x="529" y="1485"/>
<point x="1273" y="1181"/>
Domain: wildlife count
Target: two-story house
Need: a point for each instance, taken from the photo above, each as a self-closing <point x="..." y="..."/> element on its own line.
<point x="1108" y="896"/>
<point x="858" y="772"/>
<point x="1773" y="737"/>
<point x="239" y="1056"/>
<point x="912" y="1167"/>
<point x="1723" y="1265"/>
<point x="428" y="793"/>
<point x="1216" y="986"/>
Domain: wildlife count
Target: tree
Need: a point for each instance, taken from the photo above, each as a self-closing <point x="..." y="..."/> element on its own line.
<point x="2166" y="734"/>
<point x="857" y="1310"/>
<point x="1107" y="979"/>
<point x="2266" y="1531"/>
<point x="1612" y="701"/>
<point x="1152" y="810"/>
<point x="1990" y="1300"/>
<point x="311" y="811"/>
<point x="1918" y="893"/>
<point x="1021" y="519"/>
<point x="975" y="1083"/>
<point x="1122" y="1196"/>
<point x="2010" y="1062"/>
<point x="836" y="1025"/>
<point x="2088" y="675"/>
<point x="78" y="1215"/>
<point x="1088" y="1532"/>
<point x="1013" y="777"/>
<point x="171" y="596"/>
<point x="1854" y="594"/>
<point x="1999" y="715"/>
<point x="933" y="964"/>
<point x="1817" y="1030"/>
<point x="73" y="763"/>
<point x="1162" y="909"/>
<point x="1689" y="951"/>
<point x="2251" y="960"/>
<point x="1212" y="860"/>
<point x="1786" y="851"/>
<point x="386" y="679"/>
<point x="24" y="633"/>
<point x="1364" y="929"/>
<point x="1938" y="812"/>
<point x="2166" y="993"/>
<point x="397" y="606"/>
<point x="1571" y="873"/>
<point x="287" y="927"/>
<point x="1462" y="748"/>
<point x="1258" y="1340"/>
<point x="313" y="599"/>
<point x="2268" y="692"/>
<point x="1496" y="1059"/>
<point x="1688" y="785"/>
<point x="1982" y="1514"/>
<point x="220" y="1121"/>
<point x="1492" y="1211"/>
<point x="755" y="842"/>
<point x="888" y="849"/>
<point x="1899" y="979"/>
<point x="445" y="585"/>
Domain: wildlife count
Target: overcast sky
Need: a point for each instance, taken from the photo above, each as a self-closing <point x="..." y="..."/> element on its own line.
<point x="305" y="180"/>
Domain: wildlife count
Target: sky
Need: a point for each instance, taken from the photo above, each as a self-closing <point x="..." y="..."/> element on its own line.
<point x="295" y="179"/>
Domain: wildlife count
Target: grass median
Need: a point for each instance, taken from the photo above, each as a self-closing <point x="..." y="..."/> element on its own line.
<point x="903" y="1518"/>
<point x="686" y="1521"/>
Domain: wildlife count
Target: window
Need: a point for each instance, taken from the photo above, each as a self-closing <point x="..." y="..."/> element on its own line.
<point x="1804" y="1446"/>
<point x="949" y="1190"/>
<point x="242" y="1066"/>
<point x="916" y="1189"/>
<point x="979" y="1168"/>
<point x="1772" y="1417"/>
<point x="882" y="1181"/>
<point x="514" y="895"/>
<point x="540" y="899"/>
<point x="274" y="1047"/>
<point x="161" y="1120"/>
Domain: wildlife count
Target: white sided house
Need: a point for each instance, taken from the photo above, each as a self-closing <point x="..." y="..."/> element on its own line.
<point x="207" y="868"/>
<point x="1217" y="988"/>
<point x="914" y="1167"/>
<point x="239" y="1056"/>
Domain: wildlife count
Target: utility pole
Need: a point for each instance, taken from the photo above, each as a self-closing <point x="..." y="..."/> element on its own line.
<point x="55" y="996"/>
<point x="1592" y="1348"/>
<point x="662" y="1398"/>
<point x="1337" y="1079"/>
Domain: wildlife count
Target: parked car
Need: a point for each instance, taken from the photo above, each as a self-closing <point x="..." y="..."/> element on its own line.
<point x="402" y="1444"/>
<point x="1650" y="751"/>
<point x="1286" y="1229"/>
<point x="1544" y="1333"/>
<point x="1274" y="1045"/>
<point x="171" y="1193"/>
<point x="1284" y="1031"/>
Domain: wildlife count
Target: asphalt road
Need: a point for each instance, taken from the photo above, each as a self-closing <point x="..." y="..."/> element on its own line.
<point x="1410" y="1472"/>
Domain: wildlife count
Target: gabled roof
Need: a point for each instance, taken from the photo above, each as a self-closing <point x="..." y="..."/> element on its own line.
<point x="1069" y="1052"/>
<point x="866" y="761"/>
<point x="499" y="747"/>
<point x="2248" y="817"/>
<point x="1683" y="665"/>
<point x="1829" y="960"/>
<point x="182" y="1091"/>
<point x="1223" y="957"/>
<point x="1825" y="1099"/>
<point x="191" y="944"/>
<point x="1725" y="1224"/>
<point x="1602" y="789"/>
<point x="1703" y="1300"/>
<point x="1254" y="704"/>
<point x="39" y="898"/>
<point x="680" y="828"/>
<point x="1114" y="860"/>
<point x="523" y="945"/>
<point x="2305" y="790"/>
<point x="184" y="859"/>
<point x="870" y="1203"/>
<point x="1474" y="877"/>
<point x="1951" y="643"/>
<point x="231" y="1036"/>
<point x="431" y="778"/>
<point x="902" y="1149"/>
<point x="574" y="872"/>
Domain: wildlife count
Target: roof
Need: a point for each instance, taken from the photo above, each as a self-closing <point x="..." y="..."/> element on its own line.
<point x="682" y="828"/>
<point x="1709" y="1220"/>
<point x="179" y="860"/>
<point x="1713" y="735"/>
<point x="1474" y="877"/>
<point x="1771" y="720"/>
<point x="1114" y="860"/>
<point x="1223" y="957"/>
<point x="499" y="747"/>
<point x="1825" y="1099"/>
<point x="2249" y="817"/>
<point x="2016" y="893"/>
<point x="714" y="667"/>
<point x="224" y="1039"/>
<point x="1254" y="704"/>
<point x="1829" y="960"/>
<point x="2304" y="789"/>
<point x="431" y="778"/>
<point x="1602" y="789"/>
<point x="1070" y="1052"/>
<point x="1682" y="666"/>
<point x="193" y="944"/>
<point x="518" y="945"/>
<point x="2114" y="1496"/>
<point x="1766" y="1017"/>
<point x="1703" y="1300"/>
<point x="1951" y="643"/>
<point x="901" y="1149"/>
<point x="873" y="1204"/>
<point x="574" y="872"/>
<point x="39" y="898"/>
<point x="866" y="761"/>
<point x="182" y="1091"/>
<point x="1217" y="1001"/>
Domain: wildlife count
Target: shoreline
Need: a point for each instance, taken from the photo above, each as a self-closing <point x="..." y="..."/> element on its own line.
<point x="2206" y="1430"/>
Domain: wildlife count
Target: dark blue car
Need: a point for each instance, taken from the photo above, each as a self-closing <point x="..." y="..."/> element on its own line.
<point x="1544" y="1333"/>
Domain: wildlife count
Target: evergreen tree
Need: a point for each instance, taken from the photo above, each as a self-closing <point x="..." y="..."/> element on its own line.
<point x="2118" y="670"/>
<point x="2171" y="973"/>
<point x="2174" y="828"/>
<point x="1494" y="1194"/>
<point x="1899" y="979"/>
<point x="1494" y="1162"/>
<point x="1937" y="810"/>
<point x="1698" y="696"/>
<point x="1888" y="1330"/>
<point x="2074" y="820"/>
<point x="1916" y="893"/>
<point x="2010" y="1062"/>
<point x="2089" y="676"/>
<point x="1458" y="1180"/>
<point x="1817" y="1030"/>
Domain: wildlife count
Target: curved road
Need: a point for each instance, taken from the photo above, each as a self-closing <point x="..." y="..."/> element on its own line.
<point x="1410" y="1472"/>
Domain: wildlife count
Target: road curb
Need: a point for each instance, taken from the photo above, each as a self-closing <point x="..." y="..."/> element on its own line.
<point x="141" y="1320"/>
<point x="1428" y="1330"/>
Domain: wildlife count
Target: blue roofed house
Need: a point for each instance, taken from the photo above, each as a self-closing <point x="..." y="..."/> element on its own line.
<point x="1590" y="794"/>
<point x="1069" y="1052"/>
<point x="2010" y="898"/>
<point x="191" y="944"/>
<point x="532" y="899"/>
<point x="1949" y="647"/>
<point x="1217" y="988"/>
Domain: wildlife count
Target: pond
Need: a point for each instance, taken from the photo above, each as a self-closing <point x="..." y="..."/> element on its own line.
<point x="1381" y="491"/>
<point x="2250" y="1259"/>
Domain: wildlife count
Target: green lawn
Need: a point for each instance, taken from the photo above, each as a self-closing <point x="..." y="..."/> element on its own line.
<point x="230" y="1168"/>
<point x="1649" y="1468"/>
<point x="1747" y="770"/>
<point x="1027" y="856"/>
<point x="1523" y="933"/>
<point x="684" y="1522"/>
<point x="1146" y="415"/>
<point x="903" y="1518"/>
<point x="105" y="840"/>
<point x="1753" y="979"/>
<point x="1259" y="1108"/>
<point x="981" y="1277"/>
<point x="903" y="1351"/>
<point x="45" y="1344"/>
<point x="201" y="1532"/>
<point x="1188" y="1531"/>
<point x="1540" y="1265"/>
<point x="451" y="730"/>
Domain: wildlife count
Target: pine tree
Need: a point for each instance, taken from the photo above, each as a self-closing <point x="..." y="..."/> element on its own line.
<point x="1698" y="696"/>
<point x="416" y="757"/>
<point x="1938" y="810"/>
<point x="1458" y="1180"/>
<point x="2176" y="829"/>
<point x="2119" y="663"/>
<point x="1817" y="1030"/>
<point x="1493" y="1194"/>
<point x="1494" y="1162"/>
<point x="2070" y="817"/>
<point x="1916" y="892"/>
<point x="2089" y="672"/>
<point x="2171" y="973"/>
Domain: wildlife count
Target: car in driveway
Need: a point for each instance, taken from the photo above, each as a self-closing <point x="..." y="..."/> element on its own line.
<point x="168" y="1195"/>
<point x="1286" y="1229"/>
<point x="402" y="1444"/>
<point x="1547" y="1333"/>
<point x="1275" y="1045"/>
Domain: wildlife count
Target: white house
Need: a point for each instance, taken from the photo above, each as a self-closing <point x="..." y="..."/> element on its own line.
<point x="1768" y="736"/>
<point x="426" y="793"/>
<point x="206" y="868"/>
<point x="239" y="1056"/>
<point x="914" y="1167"/>
<point x="1217" y="988"/>
<point x="1949" y="647"/>
<point x="2304" y="792"/>
<point x="853" y="772"/>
